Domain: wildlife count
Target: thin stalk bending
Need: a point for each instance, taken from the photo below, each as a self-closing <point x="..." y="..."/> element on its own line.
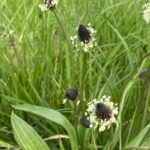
<point x="70" y="50"/>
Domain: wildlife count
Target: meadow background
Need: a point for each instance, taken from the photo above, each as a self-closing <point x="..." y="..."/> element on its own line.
<point x="35" y="69"/>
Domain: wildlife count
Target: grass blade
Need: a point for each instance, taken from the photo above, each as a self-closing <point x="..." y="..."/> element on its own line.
<point x="4" y="144"/>
<point x="138" y="139"/>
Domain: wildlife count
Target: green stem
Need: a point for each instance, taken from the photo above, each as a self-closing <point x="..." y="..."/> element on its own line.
<point x="83" y="138"/>
<point x="71" y="57"/>
<point x="82" y="97"/>
<point x="70" y="50"/>
<point x="118" y="128"/>
<point x="94" y="142"/>
<point x="145" y="108"/>
<point x="131" y="125"/>
<point x="121" y="109"/>
<point x="83" y="83"/>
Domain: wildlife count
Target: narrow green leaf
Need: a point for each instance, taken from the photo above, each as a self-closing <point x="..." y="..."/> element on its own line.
<point x="138" y="139"/>
<point x="36" y="93"/>
<point x="146" y="142"/>
<point x="54" y="116"/>
<point x="61" y="145"/>
<point x="25" y="136"/>
<point x="4" y="144"/>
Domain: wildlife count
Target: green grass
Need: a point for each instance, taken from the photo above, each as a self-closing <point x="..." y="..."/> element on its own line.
<point x="36" y="69"/>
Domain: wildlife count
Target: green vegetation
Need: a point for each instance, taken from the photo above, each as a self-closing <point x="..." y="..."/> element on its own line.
<point x="38" y="64"/>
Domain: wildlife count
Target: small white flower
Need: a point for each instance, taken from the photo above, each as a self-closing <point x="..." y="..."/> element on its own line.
<point x="102" y="128"/>
<point x="101" y="113"/>
<point x="64" y="101"/>
<point x="91" y="107"/>
<point x="89" y="24"/>
<point x="78" y="102"/>
<point x="104" y="96"/>
<point x="146" y="12"/>
<point x="43" y="7"/>
<point x="91" y="126"/>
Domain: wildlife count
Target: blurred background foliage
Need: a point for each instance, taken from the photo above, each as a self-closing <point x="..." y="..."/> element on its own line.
<point x="35" y="64"/>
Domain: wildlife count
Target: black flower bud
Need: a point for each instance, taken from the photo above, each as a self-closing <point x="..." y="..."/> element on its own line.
<point x="71" y="94"/>
<point x="102" y="111"/>
<point x="83" y="34"/>
<point x="84" y="122"/>
<point x="143" y="73"/>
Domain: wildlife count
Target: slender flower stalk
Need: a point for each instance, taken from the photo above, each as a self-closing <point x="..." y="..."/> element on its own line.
<point x="51" y="5"/>
<point x="82" y="99"/>
<point x="70" y="51"/>
<point x="85" y="41"/>
<point x="84" y="66"/>
<point x="128" y="85"/>
<point x="122" y="103"/>
<point x="94" y="141"/>
<point x="71" y="56"/>
<point x="147" y="89"/>
<point x="80" y="103"/>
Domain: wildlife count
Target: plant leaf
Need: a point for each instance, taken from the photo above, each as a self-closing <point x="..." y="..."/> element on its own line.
<point x="4" y="144"/>
<point x="146" y="142"/>
<point x="54" y="116"/>
<point x="26" y="136"/>
<point x="138" y="139"/>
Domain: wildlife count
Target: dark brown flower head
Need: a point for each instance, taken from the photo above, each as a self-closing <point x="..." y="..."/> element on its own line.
<point x="85" y="122"/>
<point x="83" y="34"/>
<point x="50" y="4"/>
<point x="102" y="111"/>
<point x="143" y="73"/>
<point x="71" y="94"/>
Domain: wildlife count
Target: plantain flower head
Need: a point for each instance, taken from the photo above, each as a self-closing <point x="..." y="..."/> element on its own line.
<point x="84" y="122"/>
<point x="48" y="5"/>
<point x="101" y="113"/>
<point x="85" y="37"/>
<point x="71" y="94"/>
